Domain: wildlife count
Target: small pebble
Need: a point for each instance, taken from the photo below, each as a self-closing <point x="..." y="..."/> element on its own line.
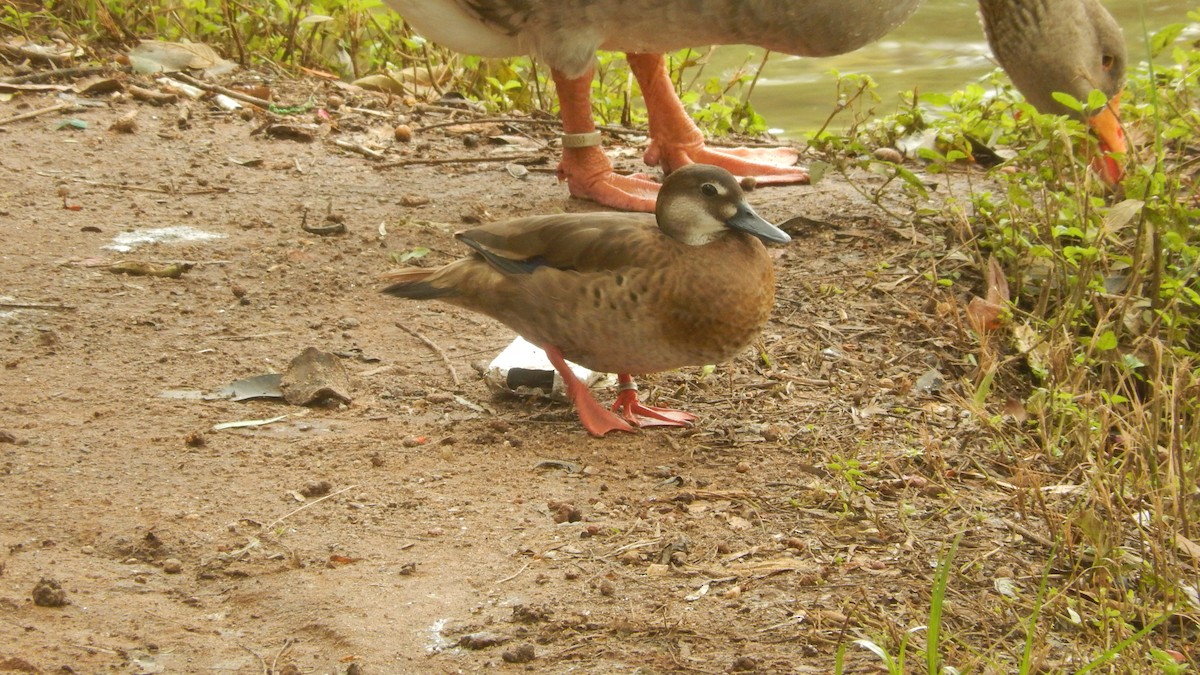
<point x="172" y="566"/>
<point x="742" y="467"/>
<point x="607" y="589"/>
<point x="403" y="133"/>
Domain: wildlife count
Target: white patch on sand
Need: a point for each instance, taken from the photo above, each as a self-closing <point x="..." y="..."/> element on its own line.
<point x="180" y="234"/>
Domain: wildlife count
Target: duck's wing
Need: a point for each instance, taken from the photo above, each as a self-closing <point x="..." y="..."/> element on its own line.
<point x="587" y="242"/>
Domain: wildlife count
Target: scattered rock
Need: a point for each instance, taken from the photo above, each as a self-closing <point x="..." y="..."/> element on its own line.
<point x="125" y="124"/>
<point x="522" y="653"/>
<point x="49" y="593"/>
<point x="172" y="566"/>
<point x="316" y="489"/>
<point x="315" y="376"/>
<point x="482" y="640"/>
<point x="563" y="512"/>
<point x="930" y="382"/>
<point x="531" y="614"/>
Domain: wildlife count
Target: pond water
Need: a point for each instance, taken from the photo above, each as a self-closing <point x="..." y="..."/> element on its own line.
<point x="940" y="49"/>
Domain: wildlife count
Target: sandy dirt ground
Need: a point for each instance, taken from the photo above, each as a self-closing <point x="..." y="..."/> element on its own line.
<point x="432" y="525"/>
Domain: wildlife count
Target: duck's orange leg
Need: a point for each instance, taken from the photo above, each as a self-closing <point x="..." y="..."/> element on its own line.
<point x="592" y="415"/>
<point x="676" y="141"/>
<point x="641" y="415"/>
<point x="584" y="166"/>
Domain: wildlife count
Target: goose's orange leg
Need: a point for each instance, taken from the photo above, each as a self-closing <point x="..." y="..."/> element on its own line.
<point x="642" y="415"/>
<point x="592" y="415"/>
<point x="676" y="141"/>
<point x="586" y="169"/>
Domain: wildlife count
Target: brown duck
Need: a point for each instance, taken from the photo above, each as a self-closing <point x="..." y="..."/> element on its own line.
<point x="1046" y="46"/>
<point x="625" y="293"/>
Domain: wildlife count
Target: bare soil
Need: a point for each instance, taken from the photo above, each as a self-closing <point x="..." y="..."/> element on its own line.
<point x="420" y="528"/>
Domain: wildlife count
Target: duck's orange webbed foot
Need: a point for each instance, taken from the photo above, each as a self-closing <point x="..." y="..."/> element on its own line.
<point x="676" y="141"/>
<point x="768" y="166"/>
<point x="641" y="415"/>
<point x="592" y="415"/>
<point x="590" y="175"/>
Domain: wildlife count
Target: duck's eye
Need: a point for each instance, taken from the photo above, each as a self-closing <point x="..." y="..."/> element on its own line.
<point x="1108" y="61"/>
<point x="708" y="190"/>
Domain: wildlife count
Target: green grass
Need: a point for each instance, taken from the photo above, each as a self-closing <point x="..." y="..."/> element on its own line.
<point x="1101" y="339"/>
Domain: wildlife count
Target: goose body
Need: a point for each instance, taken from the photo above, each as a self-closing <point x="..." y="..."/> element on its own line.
<point x="626" y="293"/>
<point x="1071" y="46"/>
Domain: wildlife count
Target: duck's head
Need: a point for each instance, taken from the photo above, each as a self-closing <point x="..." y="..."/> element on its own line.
<point x="1069" y="47"/>
<point x="699" y="202"/>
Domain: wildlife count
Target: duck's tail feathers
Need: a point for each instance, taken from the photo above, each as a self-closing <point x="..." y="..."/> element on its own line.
<point x="415" y="283"/>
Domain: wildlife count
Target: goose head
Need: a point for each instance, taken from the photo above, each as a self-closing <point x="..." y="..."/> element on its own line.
<point x="1068" y="46"/>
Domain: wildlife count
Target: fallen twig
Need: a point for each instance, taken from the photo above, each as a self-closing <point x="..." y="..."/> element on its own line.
<point x="218" y="89"/>
<point x="36" y="305"/>
<point x="34" y="113"/>
<point x="294" y="511"/>
<point x="287" y="644"/>
<point x="43" y="75"/>
<point x="440" y="352"/>
<point x="359" y="148"/>
<point x="429" y="107"/>
<point x="6" y="87"/>
<point x="490" y="120"/>
<point x="368" y="111"/>
<point x="36" y="53"/>
<point x="461" y="160"/>
<point x="151" y="96"/>
<point x="514" y="575"/>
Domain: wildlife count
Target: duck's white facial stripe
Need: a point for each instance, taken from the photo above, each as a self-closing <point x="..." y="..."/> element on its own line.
<point x="704" y="225"/>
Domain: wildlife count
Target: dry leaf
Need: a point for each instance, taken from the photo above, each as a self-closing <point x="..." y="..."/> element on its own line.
<point x="997" y="283"/>
<point x="1016" y="410"/>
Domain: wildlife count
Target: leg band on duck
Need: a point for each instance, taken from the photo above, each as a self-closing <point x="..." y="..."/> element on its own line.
<point x="590" y="139"/>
